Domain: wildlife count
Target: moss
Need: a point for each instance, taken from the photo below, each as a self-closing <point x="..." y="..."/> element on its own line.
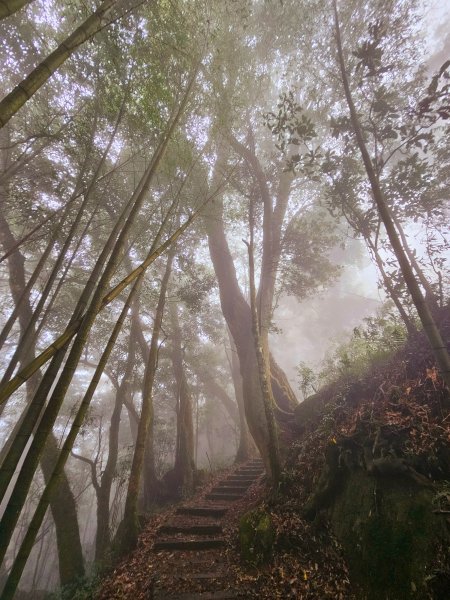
<point x="389" y="534"/>
<point x="256" y="537"/>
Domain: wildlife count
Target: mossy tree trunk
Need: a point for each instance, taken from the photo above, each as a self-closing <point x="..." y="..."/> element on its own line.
<point x="245" y="449"/>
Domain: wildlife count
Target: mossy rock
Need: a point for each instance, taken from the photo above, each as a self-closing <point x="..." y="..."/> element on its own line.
<point x="390" y="536"/>
<point x="256" y="537"/>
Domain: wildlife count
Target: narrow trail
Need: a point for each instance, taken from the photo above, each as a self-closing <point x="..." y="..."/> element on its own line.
<point x="185" y="553"/>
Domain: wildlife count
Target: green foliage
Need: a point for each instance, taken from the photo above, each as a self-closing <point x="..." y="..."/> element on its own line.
<point x="307" y="379"/>
<point x="371" y="343"/>
<point x="305" y="265"/>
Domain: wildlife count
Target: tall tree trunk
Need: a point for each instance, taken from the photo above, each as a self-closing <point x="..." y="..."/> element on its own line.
<point x="30" y="332"/>
<point x="64" y="513"/>
<point x="436" y="342"/>
<point x="36" y="79"/>
<point x="237" y="314"/>
<point x="123" y="396"/>
<point x="20" y="491"/>
<point x="129" y="528"/>
<point x="52" y="485"/>
<point x="63" y="505"/>
<point x="184" y="450"/>
<point x="112" y="247"/>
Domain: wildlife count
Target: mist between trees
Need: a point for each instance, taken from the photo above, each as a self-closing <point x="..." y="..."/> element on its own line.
<point x="175" y="178"/>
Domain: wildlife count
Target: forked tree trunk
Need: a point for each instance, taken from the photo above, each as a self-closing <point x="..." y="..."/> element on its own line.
<point x="237" y="314"/>
<point x="436" y="342"/>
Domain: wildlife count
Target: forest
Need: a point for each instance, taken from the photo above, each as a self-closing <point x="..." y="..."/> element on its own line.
<point x="224" y="308"/>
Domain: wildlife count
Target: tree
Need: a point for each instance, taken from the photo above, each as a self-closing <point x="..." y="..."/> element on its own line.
<point x="425" y="315"/>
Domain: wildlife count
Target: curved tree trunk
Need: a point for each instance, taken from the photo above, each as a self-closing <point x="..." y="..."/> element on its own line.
<point x="237" y="314"/>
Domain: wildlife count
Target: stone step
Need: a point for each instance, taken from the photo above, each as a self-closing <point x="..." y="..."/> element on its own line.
<point x="202" y="511"/>
<point x="241" y="479"/>
<point x="250" y="472"/>
<point x="191" y="529"/>
<point x="229" y="489"/>
<point x="160" y="594"/>
<point x="224" y="497"/>
<point x="196" y="544"/>
<point x="258" y="469"/>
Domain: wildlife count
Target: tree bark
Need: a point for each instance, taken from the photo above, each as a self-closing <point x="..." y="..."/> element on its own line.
<point x="273" y="458"/>
<point x="245" y="449"/>
<point x="9" y="7"/>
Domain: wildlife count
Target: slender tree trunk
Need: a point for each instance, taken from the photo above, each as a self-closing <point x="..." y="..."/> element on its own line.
<point x="52" y="485"/>
<point x="184" y="451"/>
<point x="63" y="506"/>
<point x="36" y="79"/>
<point x="20" y="490"/>
<point x="436" y="342"/>
<point x="430" y="296"/>
<point x="129" y="529"/>
<point x="9" y="7"/>
<point x="120" y="232"/>
<point x="30" y="331"/>
<point x="123" y="395"/>
<point x="410" y="328"/>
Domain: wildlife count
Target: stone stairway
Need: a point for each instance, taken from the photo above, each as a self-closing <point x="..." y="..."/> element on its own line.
<point x="193" y="537"/>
